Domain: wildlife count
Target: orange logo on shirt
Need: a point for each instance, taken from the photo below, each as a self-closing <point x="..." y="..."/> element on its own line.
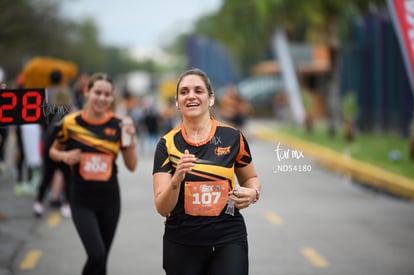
<point x="110" y="131"/>
<point x="221" y="151"/>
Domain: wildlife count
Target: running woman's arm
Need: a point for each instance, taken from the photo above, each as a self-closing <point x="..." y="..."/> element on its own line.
<point x="58" y="154"/>
<point x="130" y="157"/>
<point x="129" y="153"/>
<point x="249" y="186"/>
<point x="167" y="187"/>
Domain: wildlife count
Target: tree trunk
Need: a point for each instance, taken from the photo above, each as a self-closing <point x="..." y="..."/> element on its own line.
<point x="309" y="123"/>
<point x="412" y="148"/>
<point x="349" y="131"/>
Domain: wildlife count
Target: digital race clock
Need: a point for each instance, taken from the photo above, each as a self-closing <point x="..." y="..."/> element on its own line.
<point x="22" y="106"/>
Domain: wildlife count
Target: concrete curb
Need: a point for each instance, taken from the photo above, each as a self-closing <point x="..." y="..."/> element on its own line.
<point x="362" y="172"/>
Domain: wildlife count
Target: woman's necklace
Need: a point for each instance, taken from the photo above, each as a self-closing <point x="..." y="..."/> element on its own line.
<point x="198" y="136"/>
<point x="93" y="116"/>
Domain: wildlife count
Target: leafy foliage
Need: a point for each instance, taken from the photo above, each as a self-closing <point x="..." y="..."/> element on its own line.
<point x="31" y="28"/>
<point x="246" y="27"/>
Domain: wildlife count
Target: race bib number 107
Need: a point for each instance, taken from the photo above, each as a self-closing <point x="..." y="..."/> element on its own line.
<point x="205" y="198"/>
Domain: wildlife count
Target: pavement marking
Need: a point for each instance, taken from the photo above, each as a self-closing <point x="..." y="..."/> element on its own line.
<point x="314" y="257"/>
<point x="54" y="220"/>
<point x="30" y="261"/>
<point x="273" y="218"/>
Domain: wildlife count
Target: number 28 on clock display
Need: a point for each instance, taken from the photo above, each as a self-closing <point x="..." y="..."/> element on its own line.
<point x="22" y="106"/>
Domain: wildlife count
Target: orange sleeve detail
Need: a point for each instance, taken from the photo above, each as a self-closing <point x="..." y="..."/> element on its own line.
<point x="242" y="152"/>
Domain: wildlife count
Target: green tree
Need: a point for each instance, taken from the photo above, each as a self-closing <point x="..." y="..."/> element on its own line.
<point x="83" y="46"/>
<point x="247" y="27"/>
<point x="32" y="28"/>
<point x="26" y="30"/>
<point x="308" y="106"/>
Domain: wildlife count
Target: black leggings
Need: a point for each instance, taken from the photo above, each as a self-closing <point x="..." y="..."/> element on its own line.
<point x="229" y="259"/>
<point x="96" y="226"/>
<point x="48" y="170"/>
<point x="50" y="166"/>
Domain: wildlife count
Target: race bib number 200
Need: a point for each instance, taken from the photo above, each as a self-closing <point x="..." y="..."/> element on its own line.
<point x="95" y="167"/>
<point x="205" y="198"/>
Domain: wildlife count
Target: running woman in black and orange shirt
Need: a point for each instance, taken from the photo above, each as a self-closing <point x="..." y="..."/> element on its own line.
<point x="195" y="187"/>
<point x="89" y="142"/>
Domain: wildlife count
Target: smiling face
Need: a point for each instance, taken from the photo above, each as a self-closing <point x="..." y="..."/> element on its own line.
<point x="193" y="97"/>
<point x="99" y="98"/>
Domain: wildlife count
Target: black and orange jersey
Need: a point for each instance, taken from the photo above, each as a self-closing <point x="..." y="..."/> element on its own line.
<point x="99" y="142"/>
<point x="217" y="156"/>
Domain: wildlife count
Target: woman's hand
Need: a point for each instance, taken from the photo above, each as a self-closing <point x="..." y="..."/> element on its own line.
<point x="128" y="144"/>
<point x="184" y="165"/>
<point x="128" y="133"/>
<point x="243" y="197"/>
<point x="71" y="157"/>
<point x="128" y="125"/>
<point x="249" y="189"/>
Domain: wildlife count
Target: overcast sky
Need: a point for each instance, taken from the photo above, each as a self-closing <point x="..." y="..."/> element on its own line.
<point x="140" y="23"/>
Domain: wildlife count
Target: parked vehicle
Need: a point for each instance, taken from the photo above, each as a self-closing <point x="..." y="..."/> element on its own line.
<point x="260" y="92"/>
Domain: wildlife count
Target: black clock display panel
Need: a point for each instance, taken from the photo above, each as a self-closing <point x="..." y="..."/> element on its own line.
<point x="22" y="106"/>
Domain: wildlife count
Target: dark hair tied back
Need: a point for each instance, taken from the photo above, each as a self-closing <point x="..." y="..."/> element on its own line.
<point x="200" y="73"/>
<point x="98" y="76"/>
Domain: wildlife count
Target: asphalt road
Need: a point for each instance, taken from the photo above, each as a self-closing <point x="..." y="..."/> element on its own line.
<point x="308" y="221"/>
